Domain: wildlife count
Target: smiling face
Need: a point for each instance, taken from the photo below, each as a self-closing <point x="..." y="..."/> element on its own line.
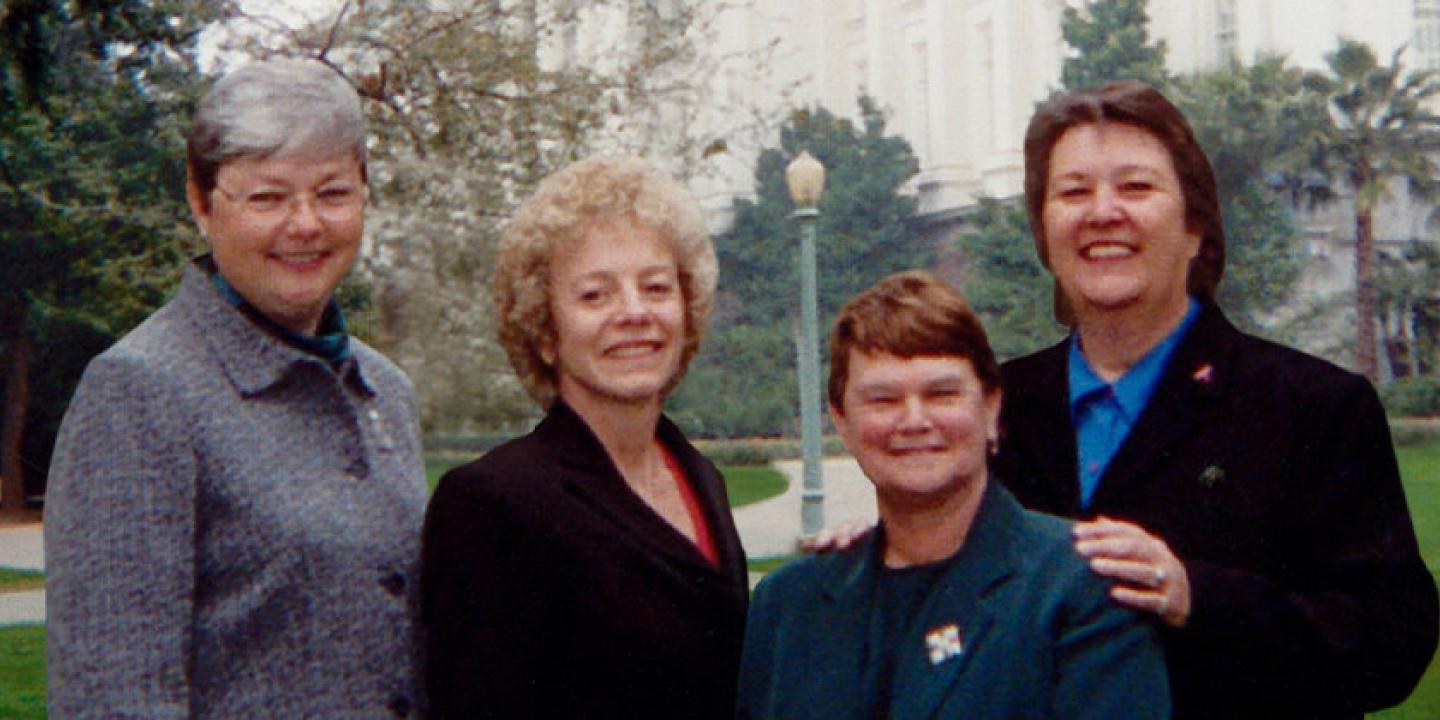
<point x="284" y="231"/>
<point x="918" y="426"/>
<point x="619" y="316"/>
<point x="1115" y="227"/>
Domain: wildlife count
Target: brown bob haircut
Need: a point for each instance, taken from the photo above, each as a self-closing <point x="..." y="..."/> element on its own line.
<point x="909" y="314"/>
<point x="1134" y="103"/>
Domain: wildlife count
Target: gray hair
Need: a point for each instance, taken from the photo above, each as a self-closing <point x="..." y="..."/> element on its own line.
<point x="278" y="106"/>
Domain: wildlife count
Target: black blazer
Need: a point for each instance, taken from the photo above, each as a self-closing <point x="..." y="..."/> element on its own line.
<point x="551" y="590"/>
<point x="1271" y="475"/>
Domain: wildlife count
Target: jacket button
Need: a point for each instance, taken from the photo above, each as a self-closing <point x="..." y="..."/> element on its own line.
<point x="400" y="705"/>
<point x="394" y="583"/>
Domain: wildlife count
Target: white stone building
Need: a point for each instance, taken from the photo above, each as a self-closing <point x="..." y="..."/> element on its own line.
<point x="960" y="79"/>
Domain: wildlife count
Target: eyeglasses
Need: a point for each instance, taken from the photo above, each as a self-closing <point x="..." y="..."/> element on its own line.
<point x="330" y="202"/>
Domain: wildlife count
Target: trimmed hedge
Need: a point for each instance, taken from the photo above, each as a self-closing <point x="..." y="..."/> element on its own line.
<point x="1413" y="397"/>
<point x="762" y="451"/>
<point x="1415" y="431"/>
<point x="473" y="445"/>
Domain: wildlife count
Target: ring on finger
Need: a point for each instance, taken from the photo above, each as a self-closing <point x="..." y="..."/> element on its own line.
<point x="1160" y="577"/>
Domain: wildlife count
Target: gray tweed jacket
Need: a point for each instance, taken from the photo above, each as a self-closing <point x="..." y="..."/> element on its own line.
<point x="232" y="527"/>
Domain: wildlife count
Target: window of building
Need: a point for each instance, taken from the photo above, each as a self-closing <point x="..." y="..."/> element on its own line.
<point x="1225" y="39"/>
<point x="919" y="100"/>
<point x="1427" y="34"/>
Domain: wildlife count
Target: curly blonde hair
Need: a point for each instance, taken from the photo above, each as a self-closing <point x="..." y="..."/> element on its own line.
<point x="563" y="208"/>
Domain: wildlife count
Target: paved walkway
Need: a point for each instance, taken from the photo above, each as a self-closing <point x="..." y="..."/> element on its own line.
<point x="22" y="548"/>
<point x="772" y="527"/>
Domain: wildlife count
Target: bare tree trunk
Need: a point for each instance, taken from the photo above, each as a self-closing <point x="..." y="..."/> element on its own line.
<point x="17" y="405"/>
<point x="1407" y="340"/>
<point x="1366" y="362"/>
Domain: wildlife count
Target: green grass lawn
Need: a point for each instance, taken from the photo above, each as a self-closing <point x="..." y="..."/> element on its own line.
<point x="22" y="672"/>
<point x="22" y="647"/>
<point x="12" y="580"/>
<point x="748" y="484"/>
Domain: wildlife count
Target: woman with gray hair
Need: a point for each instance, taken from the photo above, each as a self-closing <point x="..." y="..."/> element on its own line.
<point x="591" y="568"/>
<point x="234" y="510"/>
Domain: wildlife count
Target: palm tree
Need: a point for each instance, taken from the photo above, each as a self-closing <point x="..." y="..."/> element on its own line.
<point x="1382" y="130"/>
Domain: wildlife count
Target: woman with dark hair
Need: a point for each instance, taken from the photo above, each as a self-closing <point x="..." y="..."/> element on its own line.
<point x="1245" y="493"/>
<point x="591" y="569"/>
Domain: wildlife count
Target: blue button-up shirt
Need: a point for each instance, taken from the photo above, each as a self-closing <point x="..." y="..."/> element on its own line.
<point x="1103" y="413"/>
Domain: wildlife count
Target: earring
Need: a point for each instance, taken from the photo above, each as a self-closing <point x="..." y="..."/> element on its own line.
<point x="992" y="446"/>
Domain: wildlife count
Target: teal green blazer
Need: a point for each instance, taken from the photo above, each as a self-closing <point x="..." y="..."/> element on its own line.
<point x="1017" y="627"/>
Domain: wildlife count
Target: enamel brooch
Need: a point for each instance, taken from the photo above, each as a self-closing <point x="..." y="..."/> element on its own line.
<point x="943" y="643"/>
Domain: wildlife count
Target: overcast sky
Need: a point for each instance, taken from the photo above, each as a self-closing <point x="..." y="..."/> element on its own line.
<point x="289" y="12"/>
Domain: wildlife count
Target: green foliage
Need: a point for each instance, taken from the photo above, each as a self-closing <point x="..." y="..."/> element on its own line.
<point x="1009" y="289"/>
<point x="1112" y="42"/>
<point x="742" y="452"/>
<point x="1383" y="131"/>
<point x="757" y="358"/>
<point x="91" y="158"/>
<point x="466" y="117"/>
<point x="1252" y="121"/>
<point x="1263" y="255"/>
<point x="1412" y="397"/>
<point x="862" y="236"/>
<point x="93" y="97"/>
<point x="756" y="451"/>
<point x="65" y="347"/>
<point x="861" y="232"/>
<point x="1408" y="432"/>
<point x="1408" y="286"/>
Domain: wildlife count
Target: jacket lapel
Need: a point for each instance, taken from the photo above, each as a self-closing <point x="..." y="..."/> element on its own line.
<point x="839" y="688"/>
<point x="709" y="489"/>
<point x="960" y="608"/>
<point x="1187" y="394"/>
<point x="592" y="479"/>
<point x="252" y="358"/>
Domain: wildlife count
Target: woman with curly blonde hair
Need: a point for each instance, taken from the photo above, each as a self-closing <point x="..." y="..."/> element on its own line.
<point x="591" y="568"/>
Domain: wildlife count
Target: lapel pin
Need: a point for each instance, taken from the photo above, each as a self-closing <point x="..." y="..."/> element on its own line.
<point x="1212" y="475"/>
<point x="943" y="643"/>
<point x="1203" y="374"/>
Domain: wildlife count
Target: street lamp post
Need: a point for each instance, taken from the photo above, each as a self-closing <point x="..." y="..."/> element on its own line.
<point x="805" y="177"/>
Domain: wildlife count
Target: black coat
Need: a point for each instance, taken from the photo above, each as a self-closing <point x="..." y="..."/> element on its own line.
<point x="551" y="590"/>
<point x="1271" y="475"/>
